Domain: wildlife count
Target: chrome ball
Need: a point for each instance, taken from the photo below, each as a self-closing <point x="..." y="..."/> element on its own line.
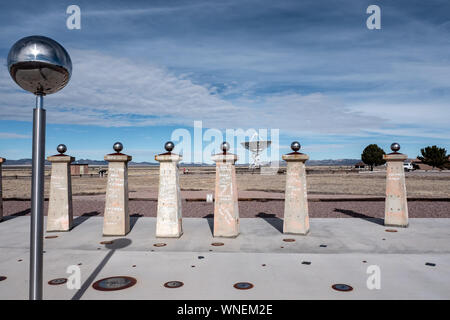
<point x="39" y="64"/>
<point x="61" y="148"/>
<point x="395" y="147"/>
<point x="118" y="147"/>
<point x="295" y="146"/>
<point x="169" y="146"/>
<point x="225" y="146"/>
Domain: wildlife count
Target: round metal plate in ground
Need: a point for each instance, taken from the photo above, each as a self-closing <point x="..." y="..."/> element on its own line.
<point x="58" y="281"/>
<point x="173" y="284"/>
<point x="391" y="230"/>
<point x="107" y="242"/>
<point x="2" y="278"/>
<point x="159" y="244"/>
<point x="289" y="240"/>
<point x="243" y="285"/>
<point x="114" y="283"/>
<point x="51" y="237"/>
<point x="342" y="287"/>
<point x="217" y="244"/>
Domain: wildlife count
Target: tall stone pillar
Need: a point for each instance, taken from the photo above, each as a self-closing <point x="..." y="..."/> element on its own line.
<point x="296" y="218"/>
<point x="226" y="209"/>
<point x="1" y="194"/>
<point x="396" y="206"/>
<point x="60" y="212"/>
<point x="168" y="218"/>
<point x="116" y="220"/>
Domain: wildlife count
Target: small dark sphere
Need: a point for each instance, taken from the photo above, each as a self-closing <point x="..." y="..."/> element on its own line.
<point x="169" y="146"/>
<point x="225" y="146"/>
<point x="61" y="148"/>
<point x="395" y="147"/>
<point x="295" y="146"/>
<point x="118" y="147"/>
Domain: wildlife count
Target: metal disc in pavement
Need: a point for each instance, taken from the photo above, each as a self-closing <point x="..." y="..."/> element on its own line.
<point x="58" y="281"/>
<point x="342" y="287"/>
<point x="173" y="284"/>
<point x="114" y="283"/>
<point x="243" y="285"/>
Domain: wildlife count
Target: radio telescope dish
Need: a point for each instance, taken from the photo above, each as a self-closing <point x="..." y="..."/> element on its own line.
<point x="256" y="147"/>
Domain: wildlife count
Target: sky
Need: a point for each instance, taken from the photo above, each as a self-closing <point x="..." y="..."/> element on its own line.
<point x="308" y="70"/>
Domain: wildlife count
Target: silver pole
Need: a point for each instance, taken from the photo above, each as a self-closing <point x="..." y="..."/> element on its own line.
<point x="37" y="200"/>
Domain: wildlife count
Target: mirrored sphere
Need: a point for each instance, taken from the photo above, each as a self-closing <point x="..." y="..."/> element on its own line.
<point x="225" y="146"/>
<point x="395" y="147"/>
<point x="61" y="148"/>
<point x="39" y="64"/>
<point x="295" y="146"/>
<point x="169" y="146"/>
<point x="118" y="147"/>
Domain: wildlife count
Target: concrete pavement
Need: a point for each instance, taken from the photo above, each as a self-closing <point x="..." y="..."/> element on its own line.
<point x="335" y="248"/>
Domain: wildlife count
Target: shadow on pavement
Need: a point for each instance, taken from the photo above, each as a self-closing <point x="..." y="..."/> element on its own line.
<point x="354" y="214"/>
<point x="272" y="219"/>
<point x="117" y="244"/>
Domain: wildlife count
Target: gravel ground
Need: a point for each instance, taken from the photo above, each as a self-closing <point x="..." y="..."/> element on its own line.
<point x="251" y="209"/>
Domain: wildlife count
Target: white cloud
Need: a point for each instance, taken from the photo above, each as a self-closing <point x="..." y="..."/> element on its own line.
<point x="9" y="135"/>
<point x="114" y="92"/>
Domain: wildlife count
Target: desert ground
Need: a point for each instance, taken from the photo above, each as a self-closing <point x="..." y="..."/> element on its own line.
<point x="320" y="180"/>
<point x="332" y="191"/>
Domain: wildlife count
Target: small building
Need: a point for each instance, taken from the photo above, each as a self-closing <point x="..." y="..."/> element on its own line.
<point x="78" y="169"/>
<point x="360" y="165"/>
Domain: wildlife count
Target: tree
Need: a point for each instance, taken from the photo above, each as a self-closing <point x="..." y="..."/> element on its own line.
<point x="433" y="156"/>
<point x="373" y="156"/>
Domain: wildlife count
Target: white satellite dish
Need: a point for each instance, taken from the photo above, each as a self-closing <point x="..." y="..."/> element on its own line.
<point x="256" y="146"/>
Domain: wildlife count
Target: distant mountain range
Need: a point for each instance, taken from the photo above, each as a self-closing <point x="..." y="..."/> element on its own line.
<point x="328" y="162"/>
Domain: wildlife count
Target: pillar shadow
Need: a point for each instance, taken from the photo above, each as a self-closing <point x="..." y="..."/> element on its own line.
<point x="272" y="219"/>
<point x="133" y="219"/>
<point x="210" y="219"/>
<point x="17" y="214"/>
<point x="80" y="219"/>
<point x="354" y="214"/>
<point x="117" y="244"/>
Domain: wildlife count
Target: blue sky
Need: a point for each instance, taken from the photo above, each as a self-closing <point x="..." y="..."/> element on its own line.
<point x="311" y="69"/>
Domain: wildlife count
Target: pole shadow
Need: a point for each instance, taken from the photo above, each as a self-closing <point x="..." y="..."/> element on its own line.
<point x="117" y="244"/>
<point x="354" y="214"/>
<point x="272" y="219"/>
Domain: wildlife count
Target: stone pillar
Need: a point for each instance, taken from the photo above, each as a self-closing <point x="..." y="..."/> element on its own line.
<point x="226" y="209"/>
<point x="1" y="194"/>
<point x="60" y="212"/>
<point x="296" y="218"/>
<point x="168" y="218"/>
<point x="116" y="220"/>
<point x="396" y="206"/>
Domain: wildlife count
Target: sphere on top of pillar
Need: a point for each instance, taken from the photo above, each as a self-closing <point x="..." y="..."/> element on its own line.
<point x="169" y="145"/>
<point x="39" y="64"/>
<point x="61" y="148"/>
<point x="225" y="146"/>
<point x="118" y="146"/>
<point x="295" y="146"/>
<point x="395" y="147"/>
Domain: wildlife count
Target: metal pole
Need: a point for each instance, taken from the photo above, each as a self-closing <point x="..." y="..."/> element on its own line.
<point x="37" y="200"/>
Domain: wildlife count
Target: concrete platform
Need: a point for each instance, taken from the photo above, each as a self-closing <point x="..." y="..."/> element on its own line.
<point x="401" y="256"/>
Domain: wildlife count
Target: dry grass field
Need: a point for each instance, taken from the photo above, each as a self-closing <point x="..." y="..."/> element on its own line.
<point x="419" y="184"/>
